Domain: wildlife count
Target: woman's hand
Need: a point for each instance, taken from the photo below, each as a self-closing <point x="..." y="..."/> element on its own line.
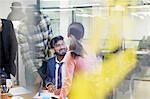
<point x="57" y="91"/>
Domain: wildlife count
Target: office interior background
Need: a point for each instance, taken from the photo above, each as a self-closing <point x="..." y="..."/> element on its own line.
<point x="63" y="12"/>
<point x="83" y="11"/>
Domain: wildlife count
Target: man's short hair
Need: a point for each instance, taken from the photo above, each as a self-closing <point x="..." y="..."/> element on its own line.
<point x="55" y="40"/>
<point x="77" y="30"/>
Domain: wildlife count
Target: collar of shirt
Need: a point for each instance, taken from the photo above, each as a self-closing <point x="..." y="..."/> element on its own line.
<point x="62" y="61"/>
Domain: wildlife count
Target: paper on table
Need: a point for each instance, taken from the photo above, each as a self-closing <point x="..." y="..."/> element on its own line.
<point x="18" y="91"/>
<point x="46" y="93"/>
<point x="17" y="97"/>
<point x="9" y="83"/>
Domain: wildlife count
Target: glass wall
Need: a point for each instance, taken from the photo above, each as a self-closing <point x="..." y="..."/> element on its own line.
<point x="63" y="12"/>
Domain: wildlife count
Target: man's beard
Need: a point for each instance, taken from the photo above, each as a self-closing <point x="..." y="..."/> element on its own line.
<point x="60" y="54"/>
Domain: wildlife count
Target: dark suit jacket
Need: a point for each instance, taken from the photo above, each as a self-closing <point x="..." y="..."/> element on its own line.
<point x="51" y="66"/>
<point x="10" y="46"/>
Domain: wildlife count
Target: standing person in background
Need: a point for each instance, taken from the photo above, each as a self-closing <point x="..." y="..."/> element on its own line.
<point x="45" y="28"/>
<point x="16" y="13"/>
<point x="33" y="37"/>
<point x="8" y="48"/>
<point x="78" y="61"/>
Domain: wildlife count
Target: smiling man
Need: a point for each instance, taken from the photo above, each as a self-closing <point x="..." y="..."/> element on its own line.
<point x="56" y="66"/>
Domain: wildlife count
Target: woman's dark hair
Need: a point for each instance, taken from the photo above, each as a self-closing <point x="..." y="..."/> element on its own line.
<point x="78" y="50"/>
<point x="77" y="30"/>
<point x="55" y="40"/>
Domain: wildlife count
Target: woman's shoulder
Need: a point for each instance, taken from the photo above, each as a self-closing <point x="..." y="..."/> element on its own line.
<point x="68" y="55"/>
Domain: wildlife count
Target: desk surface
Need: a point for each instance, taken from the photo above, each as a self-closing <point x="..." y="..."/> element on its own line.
<point x="142" y="78"/>
<point x="142" y="52"/>
<point x="46" y="94"/>
<point x="25" y="94"/>
<point x="20" y="92"/>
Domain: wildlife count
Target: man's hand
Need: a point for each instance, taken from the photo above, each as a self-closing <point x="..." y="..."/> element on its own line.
<point x="57" y="91"/>
<point x="37" y="82"/>
<point x="51" y="88"/>
<point x="38" y="79"/>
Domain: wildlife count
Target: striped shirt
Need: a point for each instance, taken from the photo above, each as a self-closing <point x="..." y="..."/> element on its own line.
<point x="33" y="42"/>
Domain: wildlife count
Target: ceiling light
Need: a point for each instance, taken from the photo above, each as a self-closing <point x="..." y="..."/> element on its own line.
<point x="57" y="9"/>
<point x="119" y="8"/>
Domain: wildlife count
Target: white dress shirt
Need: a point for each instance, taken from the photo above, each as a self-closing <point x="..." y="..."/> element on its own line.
<point x="56" y="71"/>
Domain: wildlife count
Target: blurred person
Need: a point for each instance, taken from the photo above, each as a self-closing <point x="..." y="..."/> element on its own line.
<point x="56" y="65"/>
<point x="46" y="30"/>
<point x="8" y="48"/>
<point x="16" y="15"/>
<point x="16" y="12"/>
<point x="45" y="27"/>
<point x="33" y="36"/>
<point x="77" y="59"/>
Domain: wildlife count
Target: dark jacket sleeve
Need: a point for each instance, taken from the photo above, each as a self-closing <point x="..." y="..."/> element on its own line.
<point x="50" y="74"/>
<point x="10" y="46"/>
<point x="13" y="49"/>
<point x="42" y="70"/>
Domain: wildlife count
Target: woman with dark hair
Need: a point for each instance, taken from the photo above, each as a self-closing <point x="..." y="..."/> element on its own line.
<point x="77" y="59"/>
<point x="75" y="34"/>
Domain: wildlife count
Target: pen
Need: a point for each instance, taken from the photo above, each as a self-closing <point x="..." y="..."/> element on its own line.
<point x="4" y="88"/>
<point x="8" y="90"/>
<point x="40" y="89"/>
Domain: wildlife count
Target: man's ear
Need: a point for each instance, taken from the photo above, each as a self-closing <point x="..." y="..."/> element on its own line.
<point x="52" y="51"/>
